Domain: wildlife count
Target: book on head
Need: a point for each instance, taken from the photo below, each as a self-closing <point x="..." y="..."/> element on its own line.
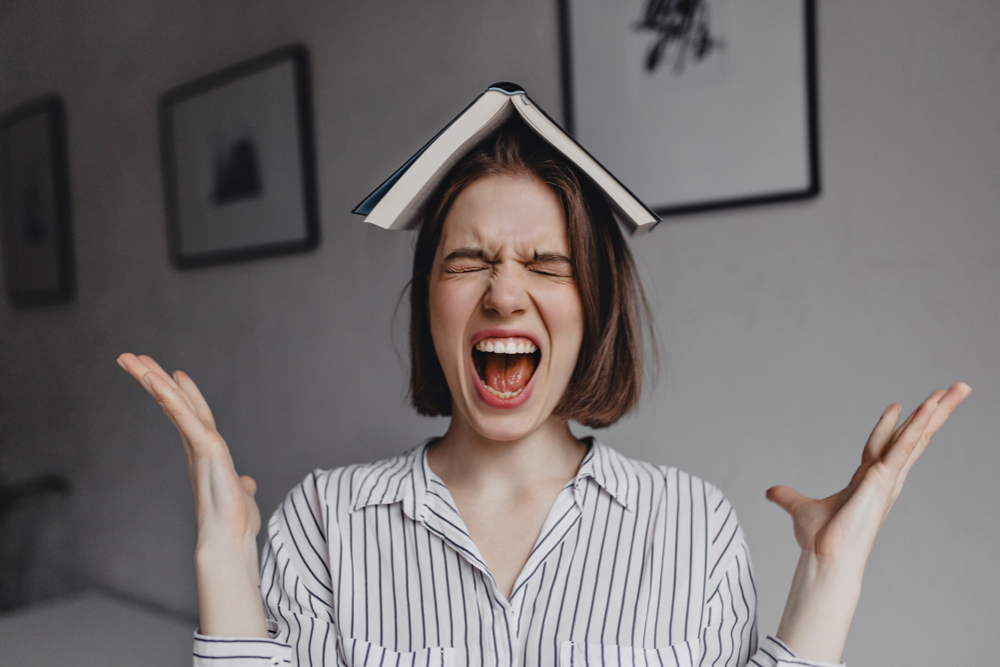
<point x="397" y="203"/>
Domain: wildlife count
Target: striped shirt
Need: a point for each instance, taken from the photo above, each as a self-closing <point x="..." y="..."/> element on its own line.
<point x="636" y="564"/>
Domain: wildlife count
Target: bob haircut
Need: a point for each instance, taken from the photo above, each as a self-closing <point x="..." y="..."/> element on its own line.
<point x="607" y="381"/>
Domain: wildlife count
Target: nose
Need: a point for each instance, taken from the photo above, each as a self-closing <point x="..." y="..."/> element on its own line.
<point x="506" y="295"/>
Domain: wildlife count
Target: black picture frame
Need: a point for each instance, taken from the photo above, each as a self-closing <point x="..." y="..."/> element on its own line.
<point x="238" y="162"/>
<point x="807" y="183"/>
<point x="35" y="206"/>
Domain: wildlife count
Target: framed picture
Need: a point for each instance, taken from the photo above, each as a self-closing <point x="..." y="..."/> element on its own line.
<point x="696" y="104"/>
<point x="35" y="204"/>
<point x="238" y="163"/>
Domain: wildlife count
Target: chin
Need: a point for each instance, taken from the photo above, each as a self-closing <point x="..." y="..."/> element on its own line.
<point x="504" y="428"/>
<point x="505" y="421"/>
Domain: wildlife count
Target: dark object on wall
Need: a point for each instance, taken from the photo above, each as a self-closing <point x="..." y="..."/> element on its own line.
<point x="35" y="204"/>
<point x="683" y="31"/>
<point x="13" y="494"/>
<point x="36" y="559"/>
<point x="238" y="164"/>
<point x="696" y="104"/>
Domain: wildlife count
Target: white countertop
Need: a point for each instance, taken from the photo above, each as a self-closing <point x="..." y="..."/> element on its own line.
<point x="93" y="630"/>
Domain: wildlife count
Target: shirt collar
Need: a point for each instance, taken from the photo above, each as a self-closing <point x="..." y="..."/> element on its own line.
<point x="400" y="479"/>
<point x="405" y="478"/>
<point x="613" y="472"/>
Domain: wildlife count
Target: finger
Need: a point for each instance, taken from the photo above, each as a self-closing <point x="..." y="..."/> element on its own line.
<point x="909" y="438"/>
<point x="957" y="393"/>
<point x="195" y="397"/>
<point x="785" y="497"/>
<point x="137" y="369"/>
<point x="935" y="395"/>
<point x="139" y="365"/>
<point x="179" y="411"/>
<point x="249" y="484"/>
<point x="151" y="363"/>
<point x="882" y="432"/>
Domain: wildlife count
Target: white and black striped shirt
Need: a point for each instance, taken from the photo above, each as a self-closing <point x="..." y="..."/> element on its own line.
<point x="636" y="564"/>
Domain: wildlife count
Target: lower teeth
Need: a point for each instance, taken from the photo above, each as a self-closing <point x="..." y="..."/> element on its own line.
<point x="503" y="394"/>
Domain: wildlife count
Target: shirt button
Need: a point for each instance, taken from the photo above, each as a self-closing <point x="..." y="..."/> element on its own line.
<point x="275" y="662"/>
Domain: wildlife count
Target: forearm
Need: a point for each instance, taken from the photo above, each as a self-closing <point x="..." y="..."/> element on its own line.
<point x="229" y="601"/>
<point x="820" y="607"/>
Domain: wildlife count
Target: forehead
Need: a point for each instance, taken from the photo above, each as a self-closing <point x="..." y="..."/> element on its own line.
<point x="494" y="213"/>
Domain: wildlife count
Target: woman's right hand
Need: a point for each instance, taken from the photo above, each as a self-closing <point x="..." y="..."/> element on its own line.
<point x="225" y="511"/>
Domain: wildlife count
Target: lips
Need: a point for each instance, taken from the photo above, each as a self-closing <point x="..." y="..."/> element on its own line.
<point x="504" y="365"/>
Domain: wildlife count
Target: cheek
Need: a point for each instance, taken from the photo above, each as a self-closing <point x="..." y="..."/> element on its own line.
<point x="448" y="309"/>
<point x="564" y="314"/>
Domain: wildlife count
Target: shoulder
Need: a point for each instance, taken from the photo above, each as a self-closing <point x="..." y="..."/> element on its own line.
<point x="331" y="493"/>
<point x="661" y="483"/>
<point x="350" y="486"/>
<point x="681" y="503"/>
<point x="671" y="492"/>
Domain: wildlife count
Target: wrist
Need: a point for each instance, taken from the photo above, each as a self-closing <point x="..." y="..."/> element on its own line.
<point x="229" y="599"/>
<point x="225" y="548"/>
<point x="821" y="571"/>
<point x="820" y="607"/>
<point x="227" y="564"/>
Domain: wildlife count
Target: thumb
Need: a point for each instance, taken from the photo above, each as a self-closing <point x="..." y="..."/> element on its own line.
<point x="249" y="485"/>
<point x="785" y="497"/>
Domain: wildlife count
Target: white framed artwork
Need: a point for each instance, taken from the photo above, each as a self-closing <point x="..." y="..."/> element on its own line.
<point x="696" y="104"/>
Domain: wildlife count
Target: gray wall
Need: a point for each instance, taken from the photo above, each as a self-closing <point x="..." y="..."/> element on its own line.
<point x="787" y="329"/>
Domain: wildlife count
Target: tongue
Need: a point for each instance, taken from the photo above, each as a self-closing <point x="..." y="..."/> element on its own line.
<point x="508" y="372"/>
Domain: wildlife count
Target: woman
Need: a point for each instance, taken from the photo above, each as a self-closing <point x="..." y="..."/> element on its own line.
<point x="508" y="541"/>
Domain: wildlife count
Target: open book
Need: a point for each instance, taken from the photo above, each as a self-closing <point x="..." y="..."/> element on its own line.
<point x="397" y="203"/>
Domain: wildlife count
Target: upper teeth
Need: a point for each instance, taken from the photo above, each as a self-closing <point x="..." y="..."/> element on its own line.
<point x="511" y="347"/>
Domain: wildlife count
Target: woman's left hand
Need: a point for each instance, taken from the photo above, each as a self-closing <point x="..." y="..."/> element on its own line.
<point x="842" y="528"/>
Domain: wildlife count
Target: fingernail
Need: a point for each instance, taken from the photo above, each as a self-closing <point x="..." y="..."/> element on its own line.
<point x="121" y="363"/>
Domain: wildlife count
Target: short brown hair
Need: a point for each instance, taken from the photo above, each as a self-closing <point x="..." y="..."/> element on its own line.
<point x="607" y="381"/>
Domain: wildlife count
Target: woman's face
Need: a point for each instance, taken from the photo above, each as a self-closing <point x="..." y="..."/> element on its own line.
<point x="505" y="313"/>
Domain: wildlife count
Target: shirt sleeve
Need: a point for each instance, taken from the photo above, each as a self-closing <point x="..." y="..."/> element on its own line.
<point x="729" y="636"/>
<point x="296" y="588"/>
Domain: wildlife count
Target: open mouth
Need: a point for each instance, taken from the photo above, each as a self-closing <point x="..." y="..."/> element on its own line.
<point x="505" y="365"/>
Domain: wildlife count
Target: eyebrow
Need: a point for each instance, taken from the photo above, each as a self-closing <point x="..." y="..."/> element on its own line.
<point x="549" y="258"/>
<point x="477" y="253"/>
<point x="466" y="253"/>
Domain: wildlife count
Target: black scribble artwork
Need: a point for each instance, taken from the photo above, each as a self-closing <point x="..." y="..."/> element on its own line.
<point x="237" y="173"/>
<point x="680" y="23"/>
<point x="33" y="223"/>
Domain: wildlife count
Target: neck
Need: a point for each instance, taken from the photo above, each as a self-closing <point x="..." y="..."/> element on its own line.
<point x="464" y="458"/>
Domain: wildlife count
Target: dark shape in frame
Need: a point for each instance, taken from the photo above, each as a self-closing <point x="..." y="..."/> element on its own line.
<point x="683" y="24"/>
<point x="237" y="173"/>
<point x="251" y="194"/>
<point x="35" y="206"/>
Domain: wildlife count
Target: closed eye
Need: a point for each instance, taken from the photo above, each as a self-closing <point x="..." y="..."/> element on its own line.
<point x="552" y="264"/>
<point x="550" y="272"/>
<point x="462" y="263"/>
<point x="463" y="269"/>
<point x="464" y="260"/>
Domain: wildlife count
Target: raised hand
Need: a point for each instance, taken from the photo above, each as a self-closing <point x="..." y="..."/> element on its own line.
<point x="837" y="533"/>
<point x="225" y="511"/>
<point x="844" y="526"/>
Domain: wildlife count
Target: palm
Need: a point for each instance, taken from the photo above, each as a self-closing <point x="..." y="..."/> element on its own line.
<point x="845" y="524"/>
<point x="224" y="501"/>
